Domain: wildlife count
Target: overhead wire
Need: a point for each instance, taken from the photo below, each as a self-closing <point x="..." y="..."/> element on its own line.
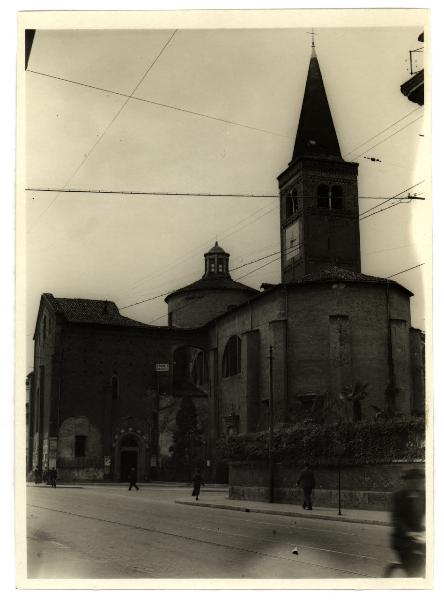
<point x="396" y="196"/>
<point x="381" y="132"/>
<point x="249" y="221"/>
<point x="400" y="201"/>
<point x="161" y="104"/>
<point x="185" y="194"/>
<point x="387" y="138"/>
<point x="99" y="139"/>
<point x="270" y="262"/>
<point x="261" y="267"/>
<point x="405" y="270"/>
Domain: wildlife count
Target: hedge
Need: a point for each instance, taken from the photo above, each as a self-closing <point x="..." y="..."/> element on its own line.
<point x="358" y="443"/>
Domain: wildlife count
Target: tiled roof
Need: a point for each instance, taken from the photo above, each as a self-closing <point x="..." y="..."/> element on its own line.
<point x="339" y="274"/>
<point x="214" y="283"/>
<point x="81" y="310"/>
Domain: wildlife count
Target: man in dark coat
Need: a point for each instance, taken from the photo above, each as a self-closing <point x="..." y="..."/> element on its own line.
<point x="53" y="477"/>
<point x="133" y="479"/>
<point x="197" y="482"/>
<point x="307" y="482"/>
<point x="408" y="533"/>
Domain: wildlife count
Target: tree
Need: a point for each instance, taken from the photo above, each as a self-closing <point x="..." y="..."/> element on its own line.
<point x="187" y="438"/>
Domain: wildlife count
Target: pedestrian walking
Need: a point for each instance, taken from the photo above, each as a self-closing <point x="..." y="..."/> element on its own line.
<point x="53" y="477"/>
<point x="307" y="482"/>
<point x="197" y="482"/>
<point x="133" y="479"/>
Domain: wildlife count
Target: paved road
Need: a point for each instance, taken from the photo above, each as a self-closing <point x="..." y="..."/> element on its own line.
<point x="108" y="532"/>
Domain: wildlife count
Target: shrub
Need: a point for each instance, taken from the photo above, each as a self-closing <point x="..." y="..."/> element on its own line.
<point x="363" y="443"/>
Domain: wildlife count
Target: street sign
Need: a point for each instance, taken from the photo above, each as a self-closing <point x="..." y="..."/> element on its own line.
<point x="162" y="367"/>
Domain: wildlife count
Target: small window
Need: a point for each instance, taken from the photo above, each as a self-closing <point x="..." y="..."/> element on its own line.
<point x="336" y="197"/>
<point x="80" y="446"/>
<point x="323" y="196"/>
<point x="220" y="268"/>
<point x="212" y="266"/>
<point x="231" y="362"/>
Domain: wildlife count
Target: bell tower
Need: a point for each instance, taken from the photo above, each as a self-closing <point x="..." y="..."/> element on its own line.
<point x="319" y="212"/>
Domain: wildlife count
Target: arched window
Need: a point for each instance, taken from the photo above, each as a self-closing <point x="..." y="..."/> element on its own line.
<point x="291" y="203"/>
<point x="336" y="197"/>
<point x="199" y="371"/>
<point x="323" y="196"/>
<point x="231" y="362"/>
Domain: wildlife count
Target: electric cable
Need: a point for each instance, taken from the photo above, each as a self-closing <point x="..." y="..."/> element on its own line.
<point x="99" y="139"/>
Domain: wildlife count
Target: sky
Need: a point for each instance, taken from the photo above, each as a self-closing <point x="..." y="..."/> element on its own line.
<point x="127" y="248"/>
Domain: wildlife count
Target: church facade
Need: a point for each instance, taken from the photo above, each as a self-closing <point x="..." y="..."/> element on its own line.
<point x="105" y="390"/>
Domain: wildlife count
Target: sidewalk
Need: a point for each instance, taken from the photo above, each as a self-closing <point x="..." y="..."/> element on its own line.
<point x="209" y="487"/>
<point x="349" y="515"/>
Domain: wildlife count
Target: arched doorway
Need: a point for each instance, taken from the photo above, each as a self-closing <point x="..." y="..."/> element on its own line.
<point x="129" y="452"/>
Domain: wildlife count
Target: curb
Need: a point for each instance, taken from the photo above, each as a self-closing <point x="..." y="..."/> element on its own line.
<point x="283" y="513"/>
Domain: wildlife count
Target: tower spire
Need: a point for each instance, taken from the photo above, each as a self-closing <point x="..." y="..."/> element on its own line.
<point x="316" y="135"/>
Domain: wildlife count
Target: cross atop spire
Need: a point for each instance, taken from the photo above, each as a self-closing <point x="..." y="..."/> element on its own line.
<point x="312" y="33"/>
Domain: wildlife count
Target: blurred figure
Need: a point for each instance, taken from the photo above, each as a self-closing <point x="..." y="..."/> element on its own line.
<point x="37" y="476"/>
<point x="197" y="482"/>
<point x="307" y="482"/>
<point x="53" y="477"/>
<point x="133" y="479"/>
<point x="408" y="513"/>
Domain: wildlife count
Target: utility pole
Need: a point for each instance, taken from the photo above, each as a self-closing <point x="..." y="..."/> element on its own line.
<point x="271" y="432"/>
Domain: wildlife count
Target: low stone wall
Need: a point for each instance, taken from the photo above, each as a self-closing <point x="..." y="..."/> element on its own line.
<point x="80" y="474"/>
<point x="366" y="487"/>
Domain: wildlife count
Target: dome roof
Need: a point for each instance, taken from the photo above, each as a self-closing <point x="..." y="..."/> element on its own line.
<point x="216" y="249"/>
<point x="214" y="283"/>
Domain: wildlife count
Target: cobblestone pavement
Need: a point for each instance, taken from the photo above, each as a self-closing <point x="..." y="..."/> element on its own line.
<point x="109" y="532"/>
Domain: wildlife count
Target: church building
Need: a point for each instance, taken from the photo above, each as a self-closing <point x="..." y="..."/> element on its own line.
<point x="105" y="390"/>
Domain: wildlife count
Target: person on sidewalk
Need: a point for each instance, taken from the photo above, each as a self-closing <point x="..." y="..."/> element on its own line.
<point x="307" y="482"/>
<point x="408" y="513"/>
<point x="133" y="479"/>
<point x="197" y="482"/>
<point x="53" y="477"/>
